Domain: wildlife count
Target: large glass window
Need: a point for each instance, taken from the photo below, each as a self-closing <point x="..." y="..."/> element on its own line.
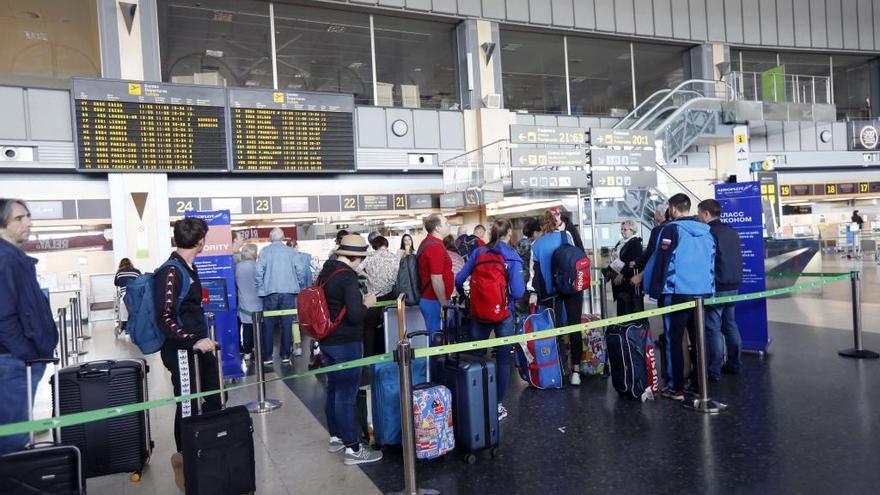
<point x="533" y="72"/>
<point x="658" y="67"/>
<point x="324" y="50"/>
<point x="415" y="62"/>
<point x="599" y="74"/>
<point x="45" y="42"/>
<point x="218" y="42"/>
<point x="753" y="60"/>
<point x="856" y="81"/>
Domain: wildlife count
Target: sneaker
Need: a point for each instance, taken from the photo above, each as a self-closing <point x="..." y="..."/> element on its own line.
<point x="248" y="357"/>
<point x="363" y="456"/>
<point x="268" y="363"/>
<point x="730" y="370"/>
<point x="285" y="359"/>
<point x="336" y="445"/>
<point x="676" y="395"/>
<point x="177" y="467"/>
<point x="298" y="352"/>
<point x="502" y="412"/>
<point x="576" y="379"/>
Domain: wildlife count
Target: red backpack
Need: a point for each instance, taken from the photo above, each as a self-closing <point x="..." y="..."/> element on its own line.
<point x="313" y="312"/>
<point x="489" y="288"/>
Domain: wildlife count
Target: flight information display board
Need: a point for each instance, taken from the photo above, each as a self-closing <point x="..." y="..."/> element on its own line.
<point x="284" y="131"/>
<point x="140" y="126"/>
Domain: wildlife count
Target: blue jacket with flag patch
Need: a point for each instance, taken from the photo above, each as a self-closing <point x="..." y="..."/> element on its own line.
<point x="683" y="261"/>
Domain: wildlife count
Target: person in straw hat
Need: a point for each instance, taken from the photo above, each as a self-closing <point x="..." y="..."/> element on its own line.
<point x="345" y="344"/>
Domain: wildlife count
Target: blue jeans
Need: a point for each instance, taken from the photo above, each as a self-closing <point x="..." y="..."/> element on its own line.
<point x="503" y="354"/>
<point x="13" y="398"/>
<point x="342" y="388"/>
<point x="432" y="314"/>
<point x="274" y="302"/>
<point x="722" y="335"/>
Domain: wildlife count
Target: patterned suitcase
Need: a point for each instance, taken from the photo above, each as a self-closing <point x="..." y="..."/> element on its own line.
<point x="595" y="352"/>
<point x="432" y="414"/>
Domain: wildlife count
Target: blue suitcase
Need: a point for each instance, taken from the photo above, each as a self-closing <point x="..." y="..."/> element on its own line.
<point x="472" y="380"/>
<point x="385" y="394"/>
<point x="538" y="361"/>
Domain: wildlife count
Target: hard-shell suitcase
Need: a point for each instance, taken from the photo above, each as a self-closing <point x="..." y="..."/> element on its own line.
<point x="42" y="469"/>
<point x="385" y="399"/>
<point x="472" y="380"/>
<point x="432" y="421"/>
<point x="538" y="361"/>
<point x="627" y="360"/>
<point x="218" y="447"/>
<point x="121" y="444"/>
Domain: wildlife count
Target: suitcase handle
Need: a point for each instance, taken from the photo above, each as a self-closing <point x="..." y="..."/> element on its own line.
<point x="95" y="369"/>
<point x="31" y="362"/>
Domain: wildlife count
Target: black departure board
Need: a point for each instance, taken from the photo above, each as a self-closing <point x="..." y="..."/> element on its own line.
<point x="140" y="126"/>
<point x="284" y="131"/>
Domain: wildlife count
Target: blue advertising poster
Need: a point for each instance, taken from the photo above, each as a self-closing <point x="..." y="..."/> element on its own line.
<point x="741" y="209"/>
<point x="217" y="274"/>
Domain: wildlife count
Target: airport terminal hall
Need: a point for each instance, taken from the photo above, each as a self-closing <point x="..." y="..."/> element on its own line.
<point x="439" y="247"/>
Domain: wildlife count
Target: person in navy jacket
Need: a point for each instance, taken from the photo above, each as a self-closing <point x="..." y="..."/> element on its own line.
<point x="500" y="243"/>
<point x="27" y="329"/>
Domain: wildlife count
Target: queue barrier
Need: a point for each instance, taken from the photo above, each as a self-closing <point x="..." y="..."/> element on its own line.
<point x="109" y="412"/>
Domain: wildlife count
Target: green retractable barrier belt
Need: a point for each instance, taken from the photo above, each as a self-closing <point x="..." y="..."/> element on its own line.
<point x="99" y="414"/>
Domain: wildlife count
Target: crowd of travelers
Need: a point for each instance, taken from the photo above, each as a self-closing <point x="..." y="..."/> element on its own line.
<point x="686" y="256"/>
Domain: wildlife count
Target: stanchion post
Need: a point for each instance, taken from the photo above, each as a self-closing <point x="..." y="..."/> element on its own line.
<point x="262" y="405"/>
<point x="62" y="342"/>
<point x="76" y="323"/>
<point x="603" y="298"/>
<point x="858" y="351"/>
<point x="82" y="329"/>
<point x="702" y="403"/>
<point x="404" y="367"/>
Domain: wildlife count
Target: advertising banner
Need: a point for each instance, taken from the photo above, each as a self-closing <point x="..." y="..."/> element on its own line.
<point x="741" y="209"/>
<point x="217" y="274"/>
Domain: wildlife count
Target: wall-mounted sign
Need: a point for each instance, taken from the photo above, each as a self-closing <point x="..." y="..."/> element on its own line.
<point x="548" y="157"/>
<point x="534" y="134"/>
<point x="621" y="137"/>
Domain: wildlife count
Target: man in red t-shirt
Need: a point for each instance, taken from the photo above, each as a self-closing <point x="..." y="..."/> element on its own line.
<point x="435" y="271"/>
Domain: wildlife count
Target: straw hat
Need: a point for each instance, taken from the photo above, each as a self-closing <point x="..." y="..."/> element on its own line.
<point x="353" y="246"/>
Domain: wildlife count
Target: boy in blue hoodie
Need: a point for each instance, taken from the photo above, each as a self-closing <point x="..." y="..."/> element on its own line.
<point x="681" y="268"/>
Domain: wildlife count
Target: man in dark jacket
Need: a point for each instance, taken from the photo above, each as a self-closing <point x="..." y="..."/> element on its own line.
<point x="187" y="343"/>
<point x="721" y="318"/>
<point x="27" y="330"/>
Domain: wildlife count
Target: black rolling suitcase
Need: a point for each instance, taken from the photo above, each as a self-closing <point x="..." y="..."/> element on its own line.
<point x="474" y="394"/>
<point x="121" y="444"/>
<point x="218" y="447"/>
<point x="42" y="468"/>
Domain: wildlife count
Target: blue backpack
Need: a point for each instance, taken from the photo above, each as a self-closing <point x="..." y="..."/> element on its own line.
<point x="143" y="322"/>
<point x="695" y="243"/>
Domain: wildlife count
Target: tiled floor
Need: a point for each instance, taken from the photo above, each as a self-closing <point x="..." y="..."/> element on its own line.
<point x="801" y="420"/>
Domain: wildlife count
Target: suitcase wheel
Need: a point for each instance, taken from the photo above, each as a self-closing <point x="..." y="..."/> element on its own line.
<point x="494" y="452"/>
<point x="135" y="477"/>
<point x="470" y="458"/>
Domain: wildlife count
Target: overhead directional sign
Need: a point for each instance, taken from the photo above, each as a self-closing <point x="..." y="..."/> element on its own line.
<point x="622" y="137"/>
<point x="550" y="179"/>
<point x="534" y="134"/>
<point x="633" y="158"/>
<point x="625" y="178"/>
<point x="548" y="157"/>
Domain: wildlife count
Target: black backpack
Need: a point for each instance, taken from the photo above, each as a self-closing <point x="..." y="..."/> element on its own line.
<point x="466" y="244"/>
